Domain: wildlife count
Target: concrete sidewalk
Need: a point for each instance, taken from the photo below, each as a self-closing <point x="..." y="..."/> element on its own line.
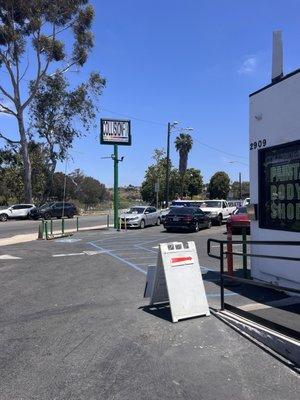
<point x="77" y="328"/>
<point x="29" y="237"/>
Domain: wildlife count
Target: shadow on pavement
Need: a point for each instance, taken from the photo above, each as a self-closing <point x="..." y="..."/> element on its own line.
<point x="161" y="311"/>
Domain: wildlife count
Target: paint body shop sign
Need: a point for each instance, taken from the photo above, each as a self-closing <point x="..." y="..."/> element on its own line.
<point x="279" y="187"/>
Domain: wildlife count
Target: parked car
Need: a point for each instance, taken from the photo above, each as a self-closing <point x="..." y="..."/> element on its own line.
<point x="52" y="210"/>
<point x="246" y="201"/>
<point x="235" y="203"/>
<point x="218" y="210"/>
<point x="16" y="211"/>
<point x="166" y="211"/>
<point x="187" y="203"/>
<point x="238" y="220"/>
<point x="186" y="218"/>
<point x="140" y="216"/>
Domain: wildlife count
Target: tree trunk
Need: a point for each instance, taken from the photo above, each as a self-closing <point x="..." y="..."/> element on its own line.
<point x="26" y="160"/>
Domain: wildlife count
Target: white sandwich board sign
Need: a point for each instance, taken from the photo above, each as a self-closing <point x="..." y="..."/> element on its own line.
<point x="177" y="278"/>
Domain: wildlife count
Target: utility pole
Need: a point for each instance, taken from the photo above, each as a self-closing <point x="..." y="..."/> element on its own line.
<point x="240" y="185"/>
<point x="168" y="165"/>
<point x="156" y="188"/>
<point x="170" y="126"/>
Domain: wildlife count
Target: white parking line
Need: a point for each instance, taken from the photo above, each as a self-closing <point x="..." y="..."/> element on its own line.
<point x="9" y="257"/>
<point x="83" y="253"/>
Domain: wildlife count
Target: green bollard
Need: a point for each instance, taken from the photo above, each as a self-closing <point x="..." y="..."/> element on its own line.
<point x="46" y="230"/>
<point x="51" y="226"/>
<point x="244" y="233"/>
<point x="44" y="227"/>
<point x="107" y="221"/>
<point x="62" y="226"/>
<point x="41" y="231"/>
<point x="77" y="224"/>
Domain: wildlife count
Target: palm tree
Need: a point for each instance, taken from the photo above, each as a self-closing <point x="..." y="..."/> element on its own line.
<point x="183" y="144"/>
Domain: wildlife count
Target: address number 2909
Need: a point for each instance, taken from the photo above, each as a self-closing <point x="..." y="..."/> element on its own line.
<point x="258" y="144"/>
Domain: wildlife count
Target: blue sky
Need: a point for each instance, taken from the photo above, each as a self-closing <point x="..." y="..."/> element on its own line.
<point x="194" y="61"/>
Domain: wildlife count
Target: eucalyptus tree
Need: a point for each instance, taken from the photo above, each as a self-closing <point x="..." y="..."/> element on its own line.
<point x="55" y="112"/>
<point x="38" y="37"/>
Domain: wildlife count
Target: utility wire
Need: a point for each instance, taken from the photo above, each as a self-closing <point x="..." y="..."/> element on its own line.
<point x="135" y="118"/>
<point x="164" y="124"/>
<point x="220" y="151"/>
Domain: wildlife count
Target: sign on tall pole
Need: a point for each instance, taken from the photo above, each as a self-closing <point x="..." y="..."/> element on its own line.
<point x="115" y="132"/>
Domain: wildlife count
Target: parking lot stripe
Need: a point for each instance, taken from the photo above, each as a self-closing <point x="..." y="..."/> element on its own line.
<point x="9" y="257"/>
<point x="120" y="259"/>
<point x="68" y="254"/>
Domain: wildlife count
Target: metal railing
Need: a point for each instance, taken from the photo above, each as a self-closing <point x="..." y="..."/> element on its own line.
<point x="224" y="253"/>
<point x="46" y="228"/>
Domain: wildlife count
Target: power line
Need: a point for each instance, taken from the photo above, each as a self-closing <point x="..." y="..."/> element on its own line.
<point x="165" y="124"/>
<point x="135" y="118"/>
<point x="220" y="151"/>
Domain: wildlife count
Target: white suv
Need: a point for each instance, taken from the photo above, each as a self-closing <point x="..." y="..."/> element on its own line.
<point x="16" y="211"/>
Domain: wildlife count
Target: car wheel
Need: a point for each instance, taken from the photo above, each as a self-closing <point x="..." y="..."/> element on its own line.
<point x="209" y="225"/>
<point x="3" y="217"/>
<point x="142" y="224"/>
<point x="220" y="219"/>
<point x="196" y="229"/>
<point x="70" y="215"/>
<point x="158" y="221"/>
<point x="168" y="229"/>
<point x="47" y="215"/>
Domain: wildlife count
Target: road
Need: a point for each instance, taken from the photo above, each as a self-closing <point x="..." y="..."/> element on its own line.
<point x="20" y="227"/>
<point x="74" y="325"/>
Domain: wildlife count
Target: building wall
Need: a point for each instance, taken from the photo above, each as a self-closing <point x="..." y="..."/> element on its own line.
<point x="274" y="116"/>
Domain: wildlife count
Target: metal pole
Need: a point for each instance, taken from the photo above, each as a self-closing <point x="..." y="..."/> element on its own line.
<point x="229" y="251"/>
<point x="62" y="226"/>
<point x="107" y="221"/>
<point x="46" y="229"/>
<point x="77" y="224"/>
<point x="116" y="184"/>
<point x="244" y="251"/>
<point x="51" y="226"/>
<point x="221" y="273"/>
<point x="157" y="190"/>
<point x="240" y="185"/>
<point x="168" y="164"/>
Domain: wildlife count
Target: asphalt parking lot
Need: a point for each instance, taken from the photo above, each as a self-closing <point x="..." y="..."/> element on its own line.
<point x="74" y="325"/>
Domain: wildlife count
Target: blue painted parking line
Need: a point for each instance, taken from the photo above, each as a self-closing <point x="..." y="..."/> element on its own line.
<point x="130" y="264"/>
<point x="138" y="267"/>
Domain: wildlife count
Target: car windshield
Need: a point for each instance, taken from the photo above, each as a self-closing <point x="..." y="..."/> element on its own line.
<point x="46" y="205"/>
<point x="136" y="210"/>
<point x="241" y="210"/>
<point x="212" y="204"/>
<point x="182" y="211"/>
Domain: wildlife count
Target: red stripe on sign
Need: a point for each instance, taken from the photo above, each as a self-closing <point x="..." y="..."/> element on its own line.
<point x="180" y="259"/>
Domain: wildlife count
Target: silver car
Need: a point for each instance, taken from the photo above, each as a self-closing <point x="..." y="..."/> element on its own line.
<point x="140" y="216"/>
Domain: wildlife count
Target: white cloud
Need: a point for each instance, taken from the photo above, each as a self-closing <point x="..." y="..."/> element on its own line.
<point x="249" y="65"/>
